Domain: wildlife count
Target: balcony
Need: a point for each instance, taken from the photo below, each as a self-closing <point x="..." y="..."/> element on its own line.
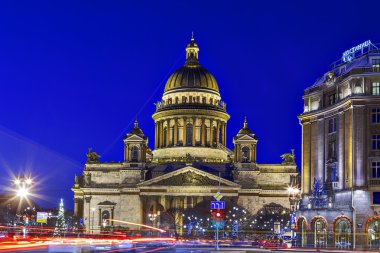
<point x="374" y="182"/>
<point x="162" y="106"/>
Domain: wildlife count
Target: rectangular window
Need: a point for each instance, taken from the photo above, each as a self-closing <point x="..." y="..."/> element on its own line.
<point x="376" y="65"/>
<point x="332" y="125"/>
<point x="375" y="88"/>
<point x="375" y="115"/>
<point x="332" y="99"/>
<point x="332" y="150"/>
<point x="376" y="197"/>
<point x="376" y="142"/>
<point x="375" y="166"/>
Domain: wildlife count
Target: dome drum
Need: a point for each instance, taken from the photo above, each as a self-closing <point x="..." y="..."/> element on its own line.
<point x="162" y="106"/>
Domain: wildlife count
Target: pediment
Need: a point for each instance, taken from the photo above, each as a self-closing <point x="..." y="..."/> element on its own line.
<point x="188" y="176"/>
<point x="133" y="137"/>
<point x="246" y="137"/>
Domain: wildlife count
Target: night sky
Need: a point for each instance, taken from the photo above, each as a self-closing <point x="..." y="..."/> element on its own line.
<point x="76" y="74"/>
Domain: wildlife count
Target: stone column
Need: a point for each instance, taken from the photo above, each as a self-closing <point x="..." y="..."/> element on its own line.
<point x="175" y="129"/>
<point x="184" y="131"/>
<point x="203" y="133"/>
<point x="127" y="152"/>
<point x="194" y="131"/>
<point x="217" y="132"/>
<point x="238" y="151"/>
<point x="211" y="133"/>
<point x="162" y="134"/>
<point x="185" y="203"/>
<point x="156" y="134"/>
<point x="252" y="153"/>
<point x="223" y="132"/>
<point x="88" y="223"/>
<point x="76" y="207"/>
<point x="112" y="216"/>
<point x="100" y="218"/>
<point x="168" y="133"/>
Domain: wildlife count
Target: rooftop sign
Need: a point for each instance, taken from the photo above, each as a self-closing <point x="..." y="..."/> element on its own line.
<point x="350" y="53"/>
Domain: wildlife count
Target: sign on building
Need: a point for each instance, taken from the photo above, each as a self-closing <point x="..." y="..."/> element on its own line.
<point x="218" y="204"/>
<point x="42" y="217"/>
<point x="277" y="228"/>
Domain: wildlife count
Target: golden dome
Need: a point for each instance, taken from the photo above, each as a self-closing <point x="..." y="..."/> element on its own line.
<point x="192" y="75"/>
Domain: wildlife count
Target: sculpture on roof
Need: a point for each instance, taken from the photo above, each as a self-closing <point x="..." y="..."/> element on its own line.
<point x="289" y="158"/>
<point x="92" y="157"/>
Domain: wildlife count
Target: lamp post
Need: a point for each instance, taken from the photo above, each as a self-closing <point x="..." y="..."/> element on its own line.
<point x="293" y="196"/>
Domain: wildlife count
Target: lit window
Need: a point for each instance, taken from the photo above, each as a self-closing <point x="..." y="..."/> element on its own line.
<point x="376" y="65"/>
<point x="332" y="125"/>
<point x="189" y="134"/>
<point x="376" y="142"/>
<point x="375" y="88"/>
<point x="375" y="166"/>
<point x="375" y="115"/>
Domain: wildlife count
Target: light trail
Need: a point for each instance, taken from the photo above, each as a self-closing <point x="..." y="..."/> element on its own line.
<point x="140" y="225"/>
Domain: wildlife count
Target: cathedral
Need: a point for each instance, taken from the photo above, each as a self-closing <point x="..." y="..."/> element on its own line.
<point x="189" y="164"/>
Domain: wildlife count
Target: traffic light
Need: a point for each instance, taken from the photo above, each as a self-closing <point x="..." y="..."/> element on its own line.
<point x="217" y="214"/>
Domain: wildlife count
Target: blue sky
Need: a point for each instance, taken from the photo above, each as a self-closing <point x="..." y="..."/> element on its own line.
<point x="75" y="74"/>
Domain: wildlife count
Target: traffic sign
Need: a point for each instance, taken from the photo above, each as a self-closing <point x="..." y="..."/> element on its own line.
<point x="42" y="217"/>
<point x="218" y="204"/>
<point x="218" y="196"/>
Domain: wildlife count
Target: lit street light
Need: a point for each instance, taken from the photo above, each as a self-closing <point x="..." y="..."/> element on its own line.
<point x="293" y="192"/>
<point x="23" y="187"/>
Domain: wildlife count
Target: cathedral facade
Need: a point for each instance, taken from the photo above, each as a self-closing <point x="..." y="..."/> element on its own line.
<point x="189" y="164"/>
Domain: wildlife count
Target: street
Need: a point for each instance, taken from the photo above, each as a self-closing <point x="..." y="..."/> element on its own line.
<point x="144" y="249"/>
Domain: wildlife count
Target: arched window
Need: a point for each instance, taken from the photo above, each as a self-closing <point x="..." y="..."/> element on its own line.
<point x="189" y="134"/>
<point x="165" y="136"/>
<point x="374" y="232"/>
<point x="320" y="232"/>
<point x="220" y="135"/>
<point x="245" y="155"/>
<point x="105" y="218"/>
<point x="135" y="154"/>
<point x="342" y="232"/>
<point x="302" y="232"/>
<point x="214" y="136"/>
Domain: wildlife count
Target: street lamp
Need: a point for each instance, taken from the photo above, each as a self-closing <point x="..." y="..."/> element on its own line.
<point x="23" y="186"/>
<point x="293" y="192"/>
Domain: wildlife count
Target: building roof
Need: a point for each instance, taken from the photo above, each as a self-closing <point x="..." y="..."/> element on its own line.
<point x="136" y="131"/>
<point x="191" y="74"/>
<point x="341" y="68"/>
<point x="245" y="131"/>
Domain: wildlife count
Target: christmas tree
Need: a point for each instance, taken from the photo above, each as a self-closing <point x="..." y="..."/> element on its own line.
<point x="61" y="222"/>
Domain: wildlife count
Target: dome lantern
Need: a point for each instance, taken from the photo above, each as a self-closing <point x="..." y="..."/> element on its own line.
<point x="192" y="51"/>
